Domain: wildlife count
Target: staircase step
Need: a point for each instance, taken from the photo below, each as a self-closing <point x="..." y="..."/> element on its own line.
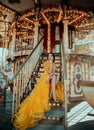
<point x="54" y="117"/>
<point x="54" y="114"/>
<point x="47" y="127"/>
<point x="56" y="105"/>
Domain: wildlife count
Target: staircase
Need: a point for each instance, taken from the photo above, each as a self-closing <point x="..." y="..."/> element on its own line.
<point x="53" y="119"/>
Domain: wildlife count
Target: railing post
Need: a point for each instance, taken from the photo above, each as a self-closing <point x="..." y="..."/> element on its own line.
<point x="36" y="33"/>
<point x="65" y="55"/>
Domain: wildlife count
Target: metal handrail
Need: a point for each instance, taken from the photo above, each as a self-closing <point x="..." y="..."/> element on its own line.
<point x="23" y="74"/>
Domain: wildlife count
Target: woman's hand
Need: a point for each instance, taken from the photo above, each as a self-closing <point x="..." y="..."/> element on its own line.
<point x="47" y="78"/>
<point x="51" y="66"/>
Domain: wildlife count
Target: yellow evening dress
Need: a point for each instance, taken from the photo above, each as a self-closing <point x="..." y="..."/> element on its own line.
<point x="32" y="109"/>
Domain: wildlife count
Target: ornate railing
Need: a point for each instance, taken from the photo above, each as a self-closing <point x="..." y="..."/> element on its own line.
<point x="23" y="75"/>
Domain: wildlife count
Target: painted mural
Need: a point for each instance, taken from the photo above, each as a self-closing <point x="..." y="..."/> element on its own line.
<point x="81" y="65"/>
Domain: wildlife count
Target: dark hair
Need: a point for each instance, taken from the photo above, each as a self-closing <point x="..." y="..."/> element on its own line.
<point x="52" y="55"/>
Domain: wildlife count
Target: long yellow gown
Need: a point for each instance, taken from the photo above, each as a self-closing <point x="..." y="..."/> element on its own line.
<point x="32" y="109"/>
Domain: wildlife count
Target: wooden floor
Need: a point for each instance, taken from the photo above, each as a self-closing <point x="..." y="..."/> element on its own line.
<point x="79" y="117"/>
<point x="80" y="113"/>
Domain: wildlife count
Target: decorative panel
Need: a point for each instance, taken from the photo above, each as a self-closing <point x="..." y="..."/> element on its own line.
<point x="80" y="68"/>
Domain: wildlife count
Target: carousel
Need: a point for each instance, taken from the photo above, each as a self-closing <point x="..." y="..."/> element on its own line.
<point x="28" y="35"/>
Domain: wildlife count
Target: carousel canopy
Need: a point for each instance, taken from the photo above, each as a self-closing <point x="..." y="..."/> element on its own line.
<point x="22" y="15"/>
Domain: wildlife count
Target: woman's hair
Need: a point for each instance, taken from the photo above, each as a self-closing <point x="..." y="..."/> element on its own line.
<point x="52" y="55"/>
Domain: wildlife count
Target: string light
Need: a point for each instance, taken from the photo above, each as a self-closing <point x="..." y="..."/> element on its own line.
<point x="7" y="9"/>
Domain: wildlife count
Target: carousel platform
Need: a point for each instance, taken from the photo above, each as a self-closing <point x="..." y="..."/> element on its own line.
<point x="47" y="127"/>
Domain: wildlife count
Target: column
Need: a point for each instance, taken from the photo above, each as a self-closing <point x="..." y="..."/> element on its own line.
<point x="65" y="46"/>
<point x="49" y="39"/>
<point x="57" y="39"/>
<point x="12" y="43"/>
<point x="65" y="36"/>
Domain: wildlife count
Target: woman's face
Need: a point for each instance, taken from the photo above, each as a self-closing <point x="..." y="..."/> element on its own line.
<point x="50" y="57"/>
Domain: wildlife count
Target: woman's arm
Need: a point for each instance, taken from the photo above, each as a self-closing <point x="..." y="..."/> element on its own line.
<point x="51" y="73"/>
<point x="46" y="68"/>
<point x="53" y="70"/>
<point x="51" y="67"/>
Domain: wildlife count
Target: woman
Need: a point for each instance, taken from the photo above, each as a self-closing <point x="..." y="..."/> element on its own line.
<point x="52" y="78"/>
<point x="32" y="109"/>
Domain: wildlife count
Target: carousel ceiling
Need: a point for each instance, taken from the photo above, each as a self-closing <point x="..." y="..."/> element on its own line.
<point x="80" y="16"/>
<point x="22" y="5"/>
